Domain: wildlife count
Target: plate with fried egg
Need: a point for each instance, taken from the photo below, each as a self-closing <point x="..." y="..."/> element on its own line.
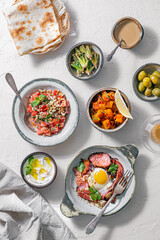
<point x="92" y="176"/>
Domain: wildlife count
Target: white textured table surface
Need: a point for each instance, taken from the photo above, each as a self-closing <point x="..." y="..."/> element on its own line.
<point x="92" y="20"/>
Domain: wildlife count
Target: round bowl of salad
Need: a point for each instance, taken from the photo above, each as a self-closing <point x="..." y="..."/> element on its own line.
<point x="53" y="110"/>
<point x="85" y="60"/>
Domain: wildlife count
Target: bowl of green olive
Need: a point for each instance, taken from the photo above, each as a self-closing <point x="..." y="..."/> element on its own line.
<point x="146" y="82"/>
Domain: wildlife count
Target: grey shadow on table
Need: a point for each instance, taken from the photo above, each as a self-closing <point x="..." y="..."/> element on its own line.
<point x="70" y="40"/>
<point x="130" y="211"/>
<point x="156" y="105"/>
<point x="149" y="44"/>
<point x="78" y="138"/>
<point x="107" y="77"/>
<point x="54" y="191"/>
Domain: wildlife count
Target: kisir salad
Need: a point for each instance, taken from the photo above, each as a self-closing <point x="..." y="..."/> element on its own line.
<point x="49" y="110"/>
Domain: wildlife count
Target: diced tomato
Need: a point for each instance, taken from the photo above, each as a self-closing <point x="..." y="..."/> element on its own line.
<point x="54" y="122"/>
<point x="62" y="119"/>
<point x="35" y="95"/>
<point x="55" y="130"/>
<point x="55" y="92"/>
<point x="39" y="131"/>
<point x="43" y="124"/>
<point x="29" y="109"/>
<point x="34" y="113"/>
<point x="64" y="104"/>
<point x="44" y="108"/>
<point x="44" y="114"/>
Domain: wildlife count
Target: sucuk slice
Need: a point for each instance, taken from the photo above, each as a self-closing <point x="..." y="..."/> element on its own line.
<point x="83" y="191"/>
<point x="121" y="105"/>
<point x="87" y="164"/>
<point x="119" y="171"/>
<point x="100" y="160"/>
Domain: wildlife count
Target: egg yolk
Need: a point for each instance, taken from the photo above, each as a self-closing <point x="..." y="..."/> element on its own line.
<point x="101" y="177"/>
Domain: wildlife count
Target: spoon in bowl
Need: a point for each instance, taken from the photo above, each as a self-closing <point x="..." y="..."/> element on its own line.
<point x="27" y="115"/>
<point x="109" y="57"/>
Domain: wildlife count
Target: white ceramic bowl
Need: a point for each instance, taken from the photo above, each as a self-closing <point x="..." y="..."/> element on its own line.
<point x="18" y="112"/>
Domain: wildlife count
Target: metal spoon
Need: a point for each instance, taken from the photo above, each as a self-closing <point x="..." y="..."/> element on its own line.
<point x="27" y="115"/>
<point x="109" y="57"/>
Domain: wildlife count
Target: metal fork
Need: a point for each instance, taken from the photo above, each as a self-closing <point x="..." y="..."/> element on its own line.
<point x="119" y="188"/>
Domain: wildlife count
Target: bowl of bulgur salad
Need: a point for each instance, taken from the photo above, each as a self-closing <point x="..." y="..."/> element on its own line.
<point x="54" y="112"/>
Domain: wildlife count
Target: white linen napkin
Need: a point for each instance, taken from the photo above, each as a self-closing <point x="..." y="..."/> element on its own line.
<point x="24" y="214"/>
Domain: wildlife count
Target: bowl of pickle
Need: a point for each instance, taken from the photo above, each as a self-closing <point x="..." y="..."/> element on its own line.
<point x="84" y="60"/>
<point x="146" y="82"/>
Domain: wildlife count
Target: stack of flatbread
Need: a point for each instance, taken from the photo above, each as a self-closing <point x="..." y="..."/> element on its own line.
<point x="37" y="26"/>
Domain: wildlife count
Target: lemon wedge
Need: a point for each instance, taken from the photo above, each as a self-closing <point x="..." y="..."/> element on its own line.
<point x="121" y="105"/>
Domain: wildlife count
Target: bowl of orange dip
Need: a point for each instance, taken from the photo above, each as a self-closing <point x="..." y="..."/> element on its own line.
<point x="102" y="111"/>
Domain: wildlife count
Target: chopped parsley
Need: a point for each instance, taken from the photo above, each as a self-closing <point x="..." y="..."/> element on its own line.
<point x="81" y="167"/>
<point x="113" y="168"/>
<point x="29" y="167"/>
<point x="94" y="194"/>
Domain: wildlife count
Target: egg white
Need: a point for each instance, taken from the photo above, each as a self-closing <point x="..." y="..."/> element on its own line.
<point x="93" y="183"/>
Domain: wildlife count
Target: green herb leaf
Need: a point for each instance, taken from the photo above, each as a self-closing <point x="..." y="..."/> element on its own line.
<point x="94" y="194"/>
<point x="81" y="167"/>
<point x="35" y="103"/>
<point x="28" y="169"/>
<point x="42" y="97"/>
<point x="30" y="160"/>
<point x="113" y="168"/>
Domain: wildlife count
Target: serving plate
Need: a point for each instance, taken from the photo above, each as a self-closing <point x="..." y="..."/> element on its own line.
<point x="18" y="112"/>
<point x="72" y="205"/>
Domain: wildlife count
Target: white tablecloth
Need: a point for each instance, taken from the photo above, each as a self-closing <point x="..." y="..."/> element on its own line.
<point x="92" y="20"/>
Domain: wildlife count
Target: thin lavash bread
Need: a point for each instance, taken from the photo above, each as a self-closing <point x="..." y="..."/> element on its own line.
<point x="37" y="26"/>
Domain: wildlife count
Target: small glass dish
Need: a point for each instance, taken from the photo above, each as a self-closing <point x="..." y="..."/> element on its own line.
<point x="151" y="133"/>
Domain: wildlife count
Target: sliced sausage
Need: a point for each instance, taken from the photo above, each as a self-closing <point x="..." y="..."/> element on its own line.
<point x="100" y="160"/>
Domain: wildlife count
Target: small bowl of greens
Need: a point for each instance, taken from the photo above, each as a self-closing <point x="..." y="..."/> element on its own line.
<point x="84" y="60"/>
<point x="38" y="169"/>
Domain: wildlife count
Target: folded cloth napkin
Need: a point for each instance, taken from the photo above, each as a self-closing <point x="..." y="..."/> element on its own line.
<point x="24" y="214"/>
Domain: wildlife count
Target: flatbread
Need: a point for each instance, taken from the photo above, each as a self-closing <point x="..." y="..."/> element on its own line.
<point x="37" y="26"/>
<point x="63" y="19"/>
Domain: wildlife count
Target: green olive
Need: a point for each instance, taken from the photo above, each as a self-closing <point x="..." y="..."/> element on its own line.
<point x="141" y="87"/>
<point x="154" y="79"/>
<point x="147" y="82"/>
<point x="156" y="73"/>
<point x="148" y="91"/>
<point x="142" y="75"/>
<point x="156" y="92"/>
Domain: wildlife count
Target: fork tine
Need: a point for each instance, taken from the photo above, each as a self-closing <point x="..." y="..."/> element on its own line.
<point x="128" y="179"/>
<point x="123" y="177"/>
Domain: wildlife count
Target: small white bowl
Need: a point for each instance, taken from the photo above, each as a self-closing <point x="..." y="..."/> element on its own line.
<point x="18" y="112"/>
